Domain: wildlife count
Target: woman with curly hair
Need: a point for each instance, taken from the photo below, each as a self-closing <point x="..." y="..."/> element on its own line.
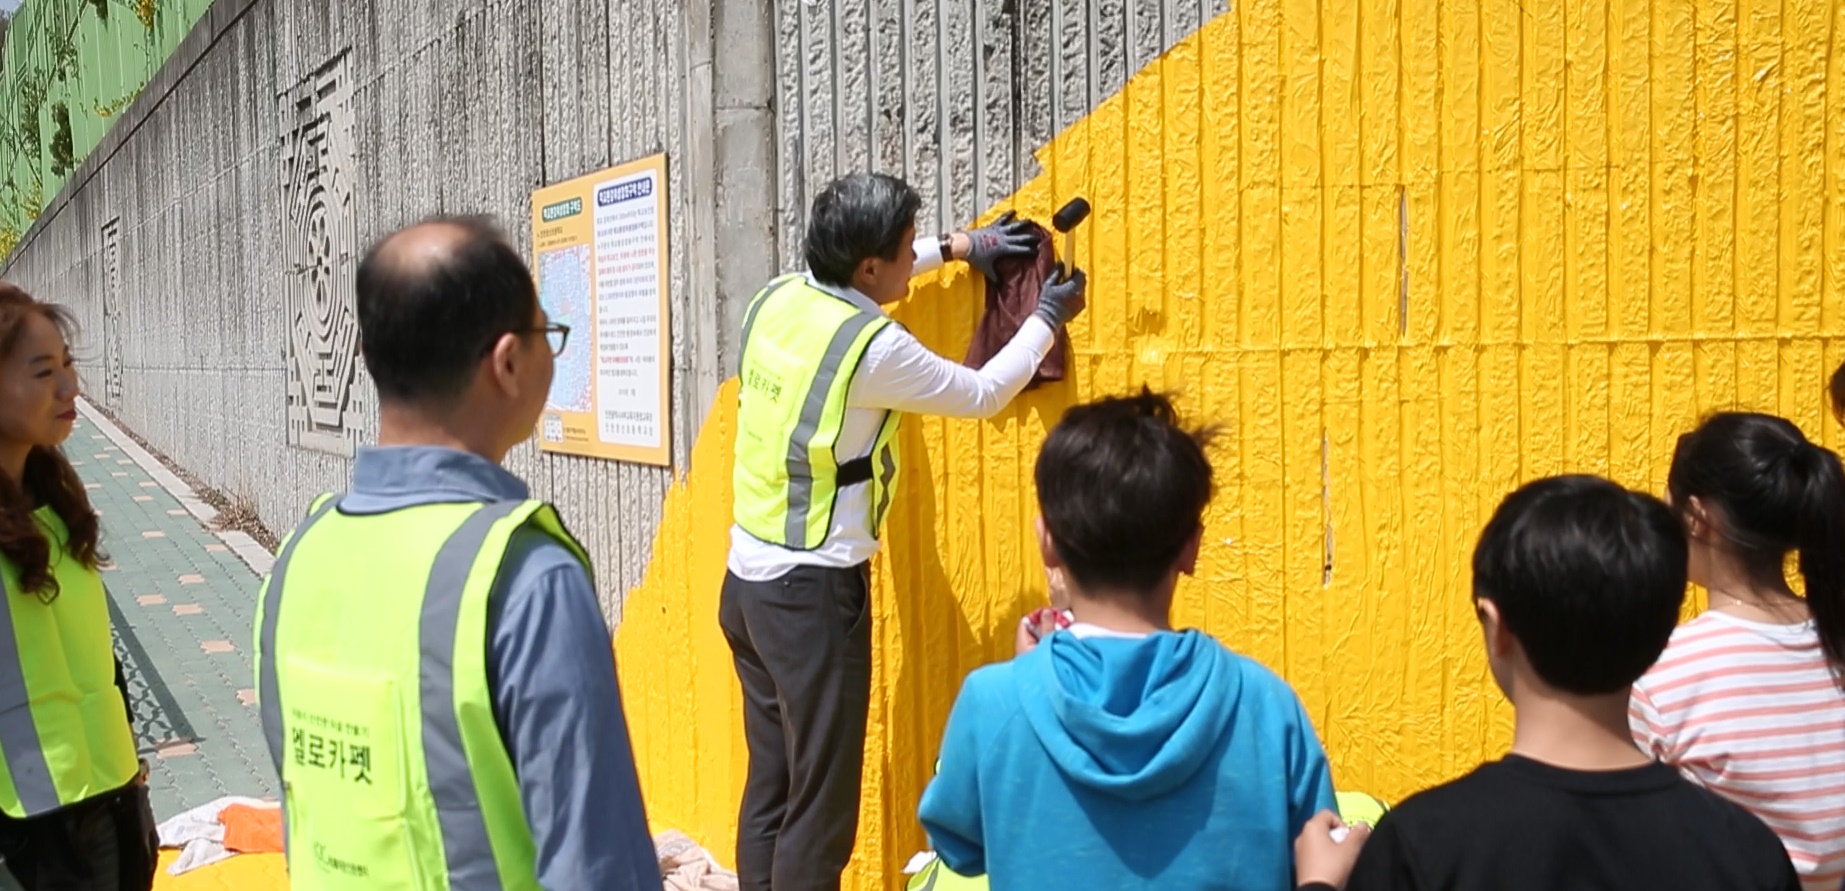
<point x="73" y="804"/>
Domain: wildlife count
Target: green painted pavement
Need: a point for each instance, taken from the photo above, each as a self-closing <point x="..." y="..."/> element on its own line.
<point x="183" y="603"/>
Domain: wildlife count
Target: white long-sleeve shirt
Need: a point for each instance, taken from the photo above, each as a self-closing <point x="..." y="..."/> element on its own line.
<point x="897" y="373"/>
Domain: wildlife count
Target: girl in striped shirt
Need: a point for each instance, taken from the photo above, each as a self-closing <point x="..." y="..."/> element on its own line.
<point x="1747" y="698"/>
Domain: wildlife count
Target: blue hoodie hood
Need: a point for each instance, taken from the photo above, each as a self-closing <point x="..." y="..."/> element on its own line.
<point x="1131" y="718"/>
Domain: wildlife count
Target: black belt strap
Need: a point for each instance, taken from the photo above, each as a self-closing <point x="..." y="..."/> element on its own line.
<point x="855" y="471"/>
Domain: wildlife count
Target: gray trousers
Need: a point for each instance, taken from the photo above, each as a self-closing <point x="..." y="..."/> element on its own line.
<point x="802" y="647"/>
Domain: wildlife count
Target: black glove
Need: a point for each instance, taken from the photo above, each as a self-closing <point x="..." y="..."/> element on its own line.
<point x="1007" y="236"/>
<point x="1061" y="298"/>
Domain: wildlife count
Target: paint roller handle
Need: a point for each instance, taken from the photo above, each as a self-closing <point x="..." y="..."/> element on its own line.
<point x="1062" y="296"/>
<point x="1066" y="219"/>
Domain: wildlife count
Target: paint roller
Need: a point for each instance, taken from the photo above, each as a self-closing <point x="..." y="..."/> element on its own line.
<point x="1067" y="218"/>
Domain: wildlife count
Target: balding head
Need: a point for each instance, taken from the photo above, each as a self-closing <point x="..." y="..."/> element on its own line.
<point x="433" y="299"/>
<point x="427" y="245"/>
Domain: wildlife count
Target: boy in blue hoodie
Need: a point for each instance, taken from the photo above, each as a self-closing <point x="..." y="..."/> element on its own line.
<point x="1118" y="752"/>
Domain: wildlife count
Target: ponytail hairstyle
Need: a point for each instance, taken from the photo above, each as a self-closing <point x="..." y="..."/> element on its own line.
<point x="48" y="478"/>
<point x="1774" y="492"/>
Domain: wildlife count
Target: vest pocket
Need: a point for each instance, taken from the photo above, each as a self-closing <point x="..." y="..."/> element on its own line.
<point x="347" y="777"/>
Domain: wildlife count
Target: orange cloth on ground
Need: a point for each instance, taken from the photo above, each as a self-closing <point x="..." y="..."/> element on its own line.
<point x="252" y="830"/>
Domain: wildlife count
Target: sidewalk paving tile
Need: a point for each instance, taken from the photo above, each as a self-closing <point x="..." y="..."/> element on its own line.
<point x="182" y="606"/>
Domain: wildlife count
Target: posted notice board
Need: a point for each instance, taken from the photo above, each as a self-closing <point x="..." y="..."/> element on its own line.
<point x="600" y="252"/>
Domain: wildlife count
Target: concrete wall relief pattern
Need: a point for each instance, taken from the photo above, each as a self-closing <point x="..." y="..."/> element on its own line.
<point x="112" y="312"/>
<point x="325" y="411"/>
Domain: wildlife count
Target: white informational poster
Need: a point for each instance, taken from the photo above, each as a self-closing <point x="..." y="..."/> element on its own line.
<point x="628" y="318"/>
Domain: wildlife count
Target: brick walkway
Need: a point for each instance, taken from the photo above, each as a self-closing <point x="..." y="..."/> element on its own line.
<point x="182" y="598"/>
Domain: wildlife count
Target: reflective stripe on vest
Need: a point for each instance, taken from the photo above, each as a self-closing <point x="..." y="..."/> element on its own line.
<point x="885" y="452"/>
<point x="64" y="734"/>
<point x="268" y="699"/>
<point x="800" y="462"/>
<point x="19" y="742"/>
<point x="757" y="302"/>
<point x="451" y="779"/>
<point x="786" y="476"/>
<point x="484" y="840"/>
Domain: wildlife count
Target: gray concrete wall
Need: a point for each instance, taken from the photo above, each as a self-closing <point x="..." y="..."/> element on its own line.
<point x="954" y="97"/>
<point x="208" y="244"/>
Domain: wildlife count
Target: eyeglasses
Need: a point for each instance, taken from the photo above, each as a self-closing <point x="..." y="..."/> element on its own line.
<point x="557" y="336"/>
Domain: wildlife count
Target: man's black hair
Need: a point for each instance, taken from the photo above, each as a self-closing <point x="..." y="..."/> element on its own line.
<point x="426" y="321"/>
<point x="1588" y="576"/>
<point x="856" y="218"/>
<point x="1122" y="488"/>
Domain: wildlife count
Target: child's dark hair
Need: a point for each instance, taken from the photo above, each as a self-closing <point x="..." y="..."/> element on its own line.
<point x="1588" y="576"/>
<point x="1122" y="487"/>
<point x="1772" y="492"/>
<point x="1838" y="393"/>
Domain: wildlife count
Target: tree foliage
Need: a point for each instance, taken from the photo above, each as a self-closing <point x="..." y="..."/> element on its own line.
<point x="35" y="62"/>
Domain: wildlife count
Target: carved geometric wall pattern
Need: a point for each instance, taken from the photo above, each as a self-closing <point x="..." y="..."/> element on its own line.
<point x="113" y="322"/>
<point x="319" y="244"/>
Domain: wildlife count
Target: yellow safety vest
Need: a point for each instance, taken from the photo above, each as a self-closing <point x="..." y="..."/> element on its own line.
<point x="801" y="347"/>
<point x="64" y="734"/>
<point x="372" y="678"/>
<point x="938" y="877"/>
<point x="1358" y="807"/>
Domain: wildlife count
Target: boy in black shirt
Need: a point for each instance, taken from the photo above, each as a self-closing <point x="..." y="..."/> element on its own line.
<point x="1577" y="585"/>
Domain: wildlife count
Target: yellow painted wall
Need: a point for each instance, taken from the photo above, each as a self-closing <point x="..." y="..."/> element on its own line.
<point x="1411" y="253"/>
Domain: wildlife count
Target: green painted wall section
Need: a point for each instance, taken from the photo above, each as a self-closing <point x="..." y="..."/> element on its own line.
<point x="71" y="68"/>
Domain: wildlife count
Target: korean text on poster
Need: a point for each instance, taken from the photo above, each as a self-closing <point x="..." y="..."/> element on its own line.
<point x="601" y="256"/>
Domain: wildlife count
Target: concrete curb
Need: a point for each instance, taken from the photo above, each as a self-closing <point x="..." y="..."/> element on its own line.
<point x="245" y="547"/>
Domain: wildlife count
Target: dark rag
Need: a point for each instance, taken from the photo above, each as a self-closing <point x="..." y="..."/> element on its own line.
<point x="1010" y="302"/>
